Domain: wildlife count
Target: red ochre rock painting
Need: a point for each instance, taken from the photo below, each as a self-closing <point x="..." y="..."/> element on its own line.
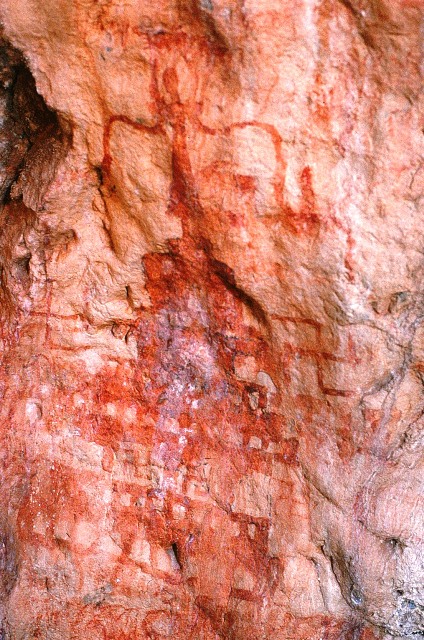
<point x="211" y="320"/>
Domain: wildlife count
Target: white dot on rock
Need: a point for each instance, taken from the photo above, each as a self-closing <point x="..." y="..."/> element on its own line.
<point x="33" y="411"/>
<point x="255" y="442"/>
<point x="92" y="360"/>
<point x="265" y="380"/>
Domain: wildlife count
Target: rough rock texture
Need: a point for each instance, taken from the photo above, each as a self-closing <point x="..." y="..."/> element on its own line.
<point x="212" y="369"/>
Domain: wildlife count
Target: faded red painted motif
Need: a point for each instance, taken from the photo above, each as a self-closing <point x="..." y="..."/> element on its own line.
<point x="211" y="367"/>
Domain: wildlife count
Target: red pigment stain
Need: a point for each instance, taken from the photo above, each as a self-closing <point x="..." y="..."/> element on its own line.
<point x="190" y="414"/>
<point x="107" y="158"/>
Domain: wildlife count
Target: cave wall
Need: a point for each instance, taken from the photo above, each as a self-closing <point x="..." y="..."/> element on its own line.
<point x="211" y="259"/>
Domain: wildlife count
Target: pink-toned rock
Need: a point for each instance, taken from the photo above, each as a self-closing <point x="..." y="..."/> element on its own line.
<point x="211" y="319"/>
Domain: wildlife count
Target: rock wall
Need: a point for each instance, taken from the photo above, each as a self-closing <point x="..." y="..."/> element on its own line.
<point x="211" y="259"/>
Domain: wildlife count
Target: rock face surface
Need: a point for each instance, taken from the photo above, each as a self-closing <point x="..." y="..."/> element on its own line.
<point x="212" y="308"/>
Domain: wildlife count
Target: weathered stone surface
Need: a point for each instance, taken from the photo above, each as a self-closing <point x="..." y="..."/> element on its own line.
<point x="211" y="319"/>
